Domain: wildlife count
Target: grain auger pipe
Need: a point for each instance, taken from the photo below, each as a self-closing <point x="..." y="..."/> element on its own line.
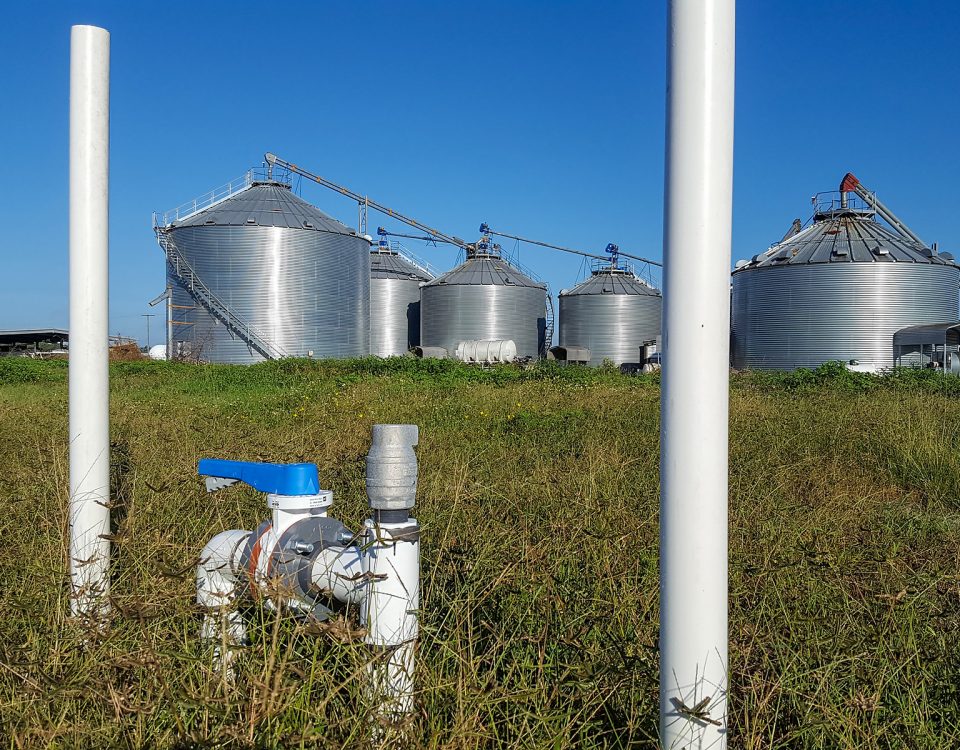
<point x="310" y="564"/>
<point x="435" y="234"/>
<point x="485" y="229"/>
<point x="850" y="184"/>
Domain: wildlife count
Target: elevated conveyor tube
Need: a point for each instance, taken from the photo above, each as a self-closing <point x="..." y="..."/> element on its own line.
<point x="850" y="183"/>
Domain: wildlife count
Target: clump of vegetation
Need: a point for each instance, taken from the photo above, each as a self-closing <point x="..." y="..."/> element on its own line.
<point x="538" y="501"/>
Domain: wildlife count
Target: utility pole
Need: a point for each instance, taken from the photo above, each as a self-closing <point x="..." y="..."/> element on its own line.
<point x="167" y="295"/>
<point x="148" y="316"/>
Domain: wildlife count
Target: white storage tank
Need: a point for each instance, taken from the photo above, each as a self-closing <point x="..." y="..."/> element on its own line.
<point x="487" y="352"/>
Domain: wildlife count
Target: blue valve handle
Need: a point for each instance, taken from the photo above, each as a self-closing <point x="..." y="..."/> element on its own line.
<point x="279" y="479"/>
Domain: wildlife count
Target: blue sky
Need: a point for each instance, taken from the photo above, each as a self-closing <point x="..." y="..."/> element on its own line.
<point x="541" y="118"/>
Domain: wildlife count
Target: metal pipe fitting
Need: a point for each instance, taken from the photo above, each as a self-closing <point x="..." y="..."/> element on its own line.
<point x="392" y="467"/>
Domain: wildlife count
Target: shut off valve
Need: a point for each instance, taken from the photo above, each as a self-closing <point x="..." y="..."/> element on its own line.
<point x="305" y="561"/>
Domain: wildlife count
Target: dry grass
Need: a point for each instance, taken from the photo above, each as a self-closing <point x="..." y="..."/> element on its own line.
<point x="538" y="502"/>
<point x="125" y="353"/>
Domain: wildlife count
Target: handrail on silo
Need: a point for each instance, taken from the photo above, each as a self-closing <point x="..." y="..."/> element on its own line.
<point x="831" y="201"/>
<point x="394" y="246"/>
<point x="212" y="197"/>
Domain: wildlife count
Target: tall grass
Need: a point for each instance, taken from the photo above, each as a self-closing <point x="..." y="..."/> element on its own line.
<point x="538" y="501"/>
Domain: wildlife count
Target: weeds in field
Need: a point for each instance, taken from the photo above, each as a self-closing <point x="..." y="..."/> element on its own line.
<point x="539" y="557"/>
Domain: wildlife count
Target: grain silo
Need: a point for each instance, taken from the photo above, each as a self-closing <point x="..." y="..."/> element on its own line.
<point x="612" y="313"/>
<point x="263" y="274"/>
<point x="394" y="301"/>
<point x="838" y="289"/>
<point x="484" y="298"/>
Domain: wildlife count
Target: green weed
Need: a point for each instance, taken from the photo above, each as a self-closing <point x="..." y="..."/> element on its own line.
<point x="538" y="501"/>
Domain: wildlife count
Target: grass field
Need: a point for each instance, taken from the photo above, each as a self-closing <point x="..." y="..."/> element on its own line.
<point x="538" y="503"/>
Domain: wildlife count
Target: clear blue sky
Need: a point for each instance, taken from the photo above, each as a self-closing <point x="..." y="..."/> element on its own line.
<point x="545" y="118"/>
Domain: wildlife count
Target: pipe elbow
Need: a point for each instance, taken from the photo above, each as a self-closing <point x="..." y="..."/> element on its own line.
<point x="218" y="572"/>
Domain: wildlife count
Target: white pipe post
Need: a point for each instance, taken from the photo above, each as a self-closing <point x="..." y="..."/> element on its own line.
<point x="391" y="615"/>
<point x="695" y="400"/>
<point x="392" y="561"/>
<point x="89" y="430"/>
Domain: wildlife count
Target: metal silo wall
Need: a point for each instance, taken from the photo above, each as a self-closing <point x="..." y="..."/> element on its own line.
<point x="303" y="290"/>
<point x="611" y="326"/>
<point x="450" y="313"/>
<point x="394" y="316"/>
<point x="803" y="316"/>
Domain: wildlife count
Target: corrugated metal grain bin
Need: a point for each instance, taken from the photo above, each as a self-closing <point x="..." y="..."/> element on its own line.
<point x="611" y="313"/>
<point x="296" y="278"/>
<point x="837" y="290"/>
<point x="484" y="298"/>
<point x="394" y="302"/>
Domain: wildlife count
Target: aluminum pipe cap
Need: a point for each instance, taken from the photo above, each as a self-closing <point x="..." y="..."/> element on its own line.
<point x="392" y="467"/>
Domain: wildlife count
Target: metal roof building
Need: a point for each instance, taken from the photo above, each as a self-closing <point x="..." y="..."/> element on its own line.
<point x="924" y="345"/>
<point x="33" y="339"/>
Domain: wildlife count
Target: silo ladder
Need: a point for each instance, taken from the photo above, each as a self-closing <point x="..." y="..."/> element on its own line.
<point x="208" y="300"/>
<point x="548" y="328"/>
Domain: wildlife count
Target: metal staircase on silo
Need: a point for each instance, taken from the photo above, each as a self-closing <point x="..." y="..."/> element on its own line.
<point x="548" y="328"/>
<point x="194" y="285"/>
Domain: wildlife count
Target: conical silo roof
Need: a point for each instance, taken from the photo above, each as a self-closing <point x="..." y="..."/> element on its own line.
<point x="391" y="265"/>
<point x="266" y="204"/>
<point x="611" y="280"/>
<point x="845" y="236"/>
<point x="489" y="270"/>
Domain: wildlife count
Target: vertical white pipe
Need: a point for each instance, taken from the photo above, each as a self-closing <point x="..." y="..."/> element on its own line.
<point x="169" y="307"/>
<point x="89" y="430"/>
<point x="390" y="614"/>
<point x="694" y="424"/>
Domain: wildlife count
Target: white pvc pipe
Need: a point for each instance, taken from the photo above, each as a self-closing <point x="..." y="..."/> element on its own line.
<point x="390" y="614"/>
<point x="219" y="585"/>
<point x="337" y="570"/>
<point x="695" y="400"/>
<point x="89" y="430"/>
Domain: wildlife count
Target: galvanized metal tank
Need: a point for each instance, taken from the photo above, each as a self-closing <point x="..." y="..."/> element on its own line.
<point x="296" y="276"/>
<point x="611" y="313"/>
<point x="394" y="302"/>
<point x="837" y="290"/>
<point x="484" y="298"/>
